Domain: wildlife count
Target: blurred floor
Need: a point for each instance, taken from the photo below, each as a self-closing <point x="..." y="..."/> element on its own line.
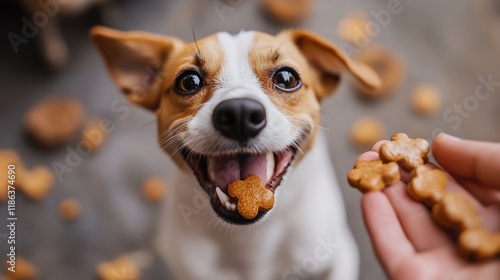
<point x="449" y="43"/>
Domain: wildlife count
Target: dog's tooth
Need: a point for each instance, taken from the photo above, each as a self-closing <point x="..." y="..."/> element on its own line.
<point x="210" y="169"/>
<point x="270" y="166"/>
<point x="233" y="207"/>
<point x="222" y="196"/>
<point x="228" y="205"/>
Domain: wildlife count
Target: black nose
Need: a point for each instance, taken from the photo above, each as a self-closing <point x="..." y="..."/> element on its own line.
<point x="240" y="118"/>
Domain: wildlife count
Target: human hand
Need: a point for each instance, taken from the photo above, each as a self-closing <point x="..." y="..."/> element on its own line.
<point x="408" y="243"/>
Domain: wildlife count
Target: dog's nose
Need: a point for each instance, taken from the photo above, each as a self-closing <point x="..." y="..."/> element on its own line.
<point x="240" y="118"/>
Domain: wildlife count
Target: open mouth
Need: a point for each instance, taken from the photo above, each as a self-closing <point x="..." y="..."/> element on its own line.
<point x="214" y="173"/>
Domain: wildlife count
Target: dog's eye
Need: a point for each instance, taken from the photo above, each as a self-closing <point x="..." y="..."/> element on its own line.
<point x="189" y="82"/>
<point x="287" y="80"/>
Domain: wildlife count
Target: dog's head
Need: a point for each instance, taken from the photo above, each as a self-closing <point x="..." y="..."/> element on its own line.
<point x="230" y="106"/>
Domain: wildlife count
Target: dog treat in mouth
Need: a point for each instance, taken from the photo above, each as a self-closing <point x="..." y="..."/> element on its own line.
<point x="457" y="212"/>
<point x="36" y="183"/>
<point x="287" y="11"/>
<point x="366" y="131"/>
<point x="351" y="28"/>
<point x="69" y="209"/>
<point x="427" y="185"/>
<point x="54" y="122"/>
<point x="121" y="268"/>
<point x="409" y="153"/>
<point x="153" y="189"/>
<point x="389" y="68"/>
<point x="478" y="243"/>
<point x="373" y="175"/>
<point x="426" y="100"/>
<point x="251" y="196"/>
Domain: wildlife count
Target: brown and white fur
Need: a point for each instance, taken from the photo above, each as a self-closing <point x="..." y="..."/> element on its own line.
<point x="306" y="233"/>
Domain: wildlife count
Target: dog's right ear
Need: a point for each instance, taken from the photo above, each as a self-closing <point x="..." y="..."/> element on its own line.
<point x="135" y="60"/>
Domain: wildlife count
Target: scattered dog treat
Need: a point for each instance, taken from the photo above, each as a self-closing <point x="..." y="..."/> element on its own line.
<point x="409" y="153"/>
<point x="426" y="100"/>
<point x="153" y="189"/>
<point x="351" y="28"/>
<point x="478" y="243"/>
<point x="24" y="270"/>
<point x="367" y="131"/>
<point x="8" y="157"/>
<point x="36" y="183"/>
<point x="389" y="68"/>
<point x="287" y="11"/>
<point x="251" y="195"/>
<point x="373" y="175"/>
<point x="427" y="185"/>
<point x="121" y="268"/>
<point x="457" y="212"/>
<point x="93" y="135"/>
<point x="54" y="122"/>
<point x="69" y="209"/>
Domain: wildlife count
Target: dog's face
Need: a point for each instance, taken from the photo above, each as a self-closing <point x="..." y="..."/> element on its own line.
<point x="230" y="106"/>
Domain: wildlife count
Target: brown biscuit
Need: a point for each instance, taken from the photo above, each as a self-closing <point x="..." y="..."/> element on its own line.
<point x="389" y="68"/>
<point x="287" y="11"/>
<point x="426" y="100"/>
<point x="24" y="270"/>
<point x="69" y="209"/>
<point x="36" y="183"/>
<point x="373" y="175"/>
<point x="455" y="211"/>
<point x="408" y="153"/>
<point x="9" y="157"/>
<point x="153" y="189"/>
<point x="427" y="185"/>
<point x="251" y="195"/>
<point x="366" y="131"/>
<point x="54" y="122"/>
<point x="477" y="243"/>
<point x="121" y="268"/>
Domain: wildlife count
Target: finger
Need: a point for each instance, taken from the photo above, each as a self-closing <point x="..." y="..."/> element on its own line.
<point x="416" y="220"/>
<point x="386" y="234"/>
<point x="379" y="144"/>
<point x="468" y="159"/>
<point x="486" y="195"/>
<point x="367" y="156"/>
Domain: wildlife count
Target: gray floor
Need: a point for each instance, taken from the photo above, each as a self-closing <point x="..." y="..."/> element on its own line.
<point x="449" y="43"/>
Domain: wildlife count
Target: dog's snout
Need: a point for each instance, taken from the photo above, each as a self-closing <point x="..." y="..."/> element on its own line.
<point x="240" y="118"/>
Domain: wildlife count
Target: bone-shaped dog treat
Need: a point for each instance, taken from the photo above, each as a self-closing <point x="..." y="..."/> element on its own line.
<point x="456" y="211"/>
<point x="373" y="175"/>
<point x="427" y="186"/>
<point x="409" y="153"/>
<point x="252" y="196"/>
<point x="479" y="244"/>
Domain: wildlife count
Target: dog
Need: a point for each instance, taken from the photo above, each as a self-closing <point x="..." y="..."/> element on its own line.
<point x="232" y="105"/>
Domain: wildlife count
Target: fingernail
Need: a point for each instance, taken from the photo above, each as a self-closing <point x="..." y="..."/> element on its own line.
<point x="445" y="137"/>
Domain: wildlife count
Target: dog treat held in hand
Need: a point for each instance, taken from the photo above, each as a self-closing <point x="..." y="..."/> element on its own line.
<point x="366" y="131"/>
<point x="153" y="189"/>
<point x="121" y="268"/>
<point x="373" y="175"/>
<point x="389" y="68"/>
<point x="69" y="209"/>
<point x="54" y="122"/>
<point x="427" y="185"/>
<point x="287" y="11"/>
<point x="24" y="270"/>
<point x="36" y="183"/>
<point x="479" y="244"/>
<point x="426" y="100"/>
<point x="457" y="212"/>
<point x="409" y="153"/>
<point x="251" y="195"/>
<point x="351" y="28"/>
<point x="8" y="157"/>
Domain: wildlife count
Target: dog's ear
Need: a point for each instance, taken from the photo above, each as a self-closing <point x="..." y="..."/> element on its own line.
<point x="135" y="60"/>
<point x="328" y="63"/>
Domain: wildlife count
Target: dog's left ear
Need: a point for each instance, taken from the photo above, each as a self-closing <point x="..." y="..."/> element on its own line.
<point x="328" y="63"/>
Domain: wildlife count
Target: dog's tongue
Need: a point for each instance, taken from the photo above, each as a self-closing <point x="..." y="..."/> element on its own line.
<point x="230" y="168"/>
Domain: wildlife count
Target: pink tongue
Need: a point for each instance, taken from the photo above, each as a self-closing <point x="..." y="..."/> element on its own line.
<point x="231" y="168"/>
